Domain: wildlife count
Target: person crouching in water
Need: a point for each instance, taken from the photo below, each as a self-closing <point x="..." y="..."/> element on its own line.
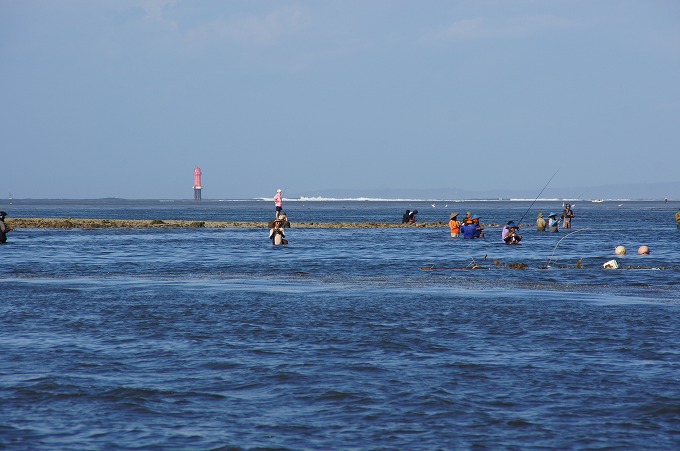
<point x="553" y="223"/>
<point x="510" y="235"/>
<point x="277" y="230"/>
<point x="454" y="225"/>
<point x="540" y="223"/>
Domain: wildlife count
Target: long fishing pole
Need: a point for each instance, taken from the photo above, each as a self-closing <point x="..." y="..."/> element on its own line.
<point x="539" y="195"/>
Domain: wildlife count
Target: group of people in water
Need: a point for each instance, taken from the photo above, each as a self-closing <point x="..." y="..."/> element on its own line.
<point x="470" y="228"/>
<point x="553" y="224"/>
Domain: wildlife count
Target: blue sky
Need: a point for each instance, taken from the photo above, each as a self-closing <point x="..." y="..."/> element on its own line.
<point x="123" y="98"/>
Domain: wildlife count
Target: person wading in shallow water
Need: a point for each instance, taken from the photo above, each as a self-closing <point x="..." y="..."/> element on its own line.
<point x="454" y="225"/>
<point x="510" y="235"/>
<point x="277" y="230"/>
<point x="567" y="214"/>
<point x="406" y="217"/>
<point x="285" y="223"/>
<point x="4" y="228"/>
<point x="479" y="230"/>
<point x="540" y="223"/>
<point x="553" y="223"/>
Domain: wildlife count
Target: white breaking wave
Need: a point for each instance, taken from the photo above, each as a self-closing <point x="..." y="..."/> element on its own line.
<point x="378" y="199"/>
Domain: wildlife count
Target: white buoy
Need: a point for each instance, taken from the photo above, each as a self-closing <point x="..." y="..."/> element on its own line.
<point x="643" y="250"/>
<point x="611" y="264"/>
<point x="620" y="250"/>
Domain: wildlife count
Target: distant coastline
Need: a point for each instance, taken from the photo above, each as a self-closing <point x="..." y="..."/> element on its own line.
<point x="338" y="199"/>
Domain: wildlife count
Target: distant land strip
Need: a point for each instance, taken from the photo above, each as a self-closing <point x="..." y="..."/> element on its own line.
<point x="81" y="223"/>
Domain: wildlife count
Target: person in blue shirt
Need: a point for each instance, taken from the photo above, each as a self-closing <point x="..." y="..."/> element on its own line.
<point x="468" y="230"/>
<point x="471" y="229"/>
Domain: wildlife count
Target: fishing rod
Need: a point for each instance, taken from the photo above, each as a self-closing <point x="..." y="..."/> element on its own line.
<point x="558" y="243"/>
<point x="519" y="223"/>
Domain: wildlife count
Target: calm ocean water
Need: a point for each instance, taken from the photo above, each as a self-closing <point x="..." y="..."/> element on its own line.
<point x="214" y="339"/>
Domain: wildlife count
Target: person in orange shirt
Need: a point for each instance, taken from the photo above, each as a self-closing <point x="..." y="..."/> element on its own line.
<point x="454" y="224"/>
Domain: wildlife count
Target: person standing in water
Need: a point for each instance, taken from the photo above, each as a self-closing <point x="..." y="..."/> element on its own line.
<point x="567" y="214"/>
<point x="278" y="202"/>
<point x="468" y="230"/>
<point x="479" y="230"/>
<point x="553" y="223"/>
<point x="277" y="230"/>
<point x="454" y="225"/>
<point x="540" y="223"/>
<point x="285" y="223"/>
<point x="406" y="217"/>
<point x="4" y="228"/>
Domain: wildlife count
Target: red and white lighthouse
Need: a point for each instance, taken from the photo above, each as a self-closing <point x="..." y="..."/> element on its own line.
<point x="197" y="183"/>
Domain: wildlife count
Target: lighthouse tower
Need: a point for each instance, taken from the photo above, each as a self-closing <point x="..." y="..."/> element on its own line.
<point x="197" y="183"/>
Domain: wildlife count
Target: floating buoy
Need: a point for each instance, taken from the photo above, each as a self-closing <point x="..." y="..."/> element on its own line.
<point x="620" y="250"/>
<point x="611" y="264"/>
<point x="643" y="250"/>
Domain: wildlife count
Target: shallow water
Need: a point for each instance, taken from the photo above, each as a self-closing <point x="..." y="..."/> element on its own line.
<point x="209" y="338"/>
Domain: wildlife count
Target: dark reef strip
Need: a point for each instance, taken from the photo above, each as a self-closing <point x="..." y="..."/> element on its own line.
<point x="80" y="223"/>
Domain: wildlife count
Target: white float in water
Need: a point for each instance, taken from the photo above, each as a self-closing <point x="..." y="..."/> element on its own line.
<point x="611" y="264"/>
<point x="620" y="250"/>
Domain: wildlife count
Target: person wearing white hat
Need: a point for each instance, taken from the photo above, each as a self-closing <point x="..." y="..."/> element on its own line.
<point x="278" y="202"/>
